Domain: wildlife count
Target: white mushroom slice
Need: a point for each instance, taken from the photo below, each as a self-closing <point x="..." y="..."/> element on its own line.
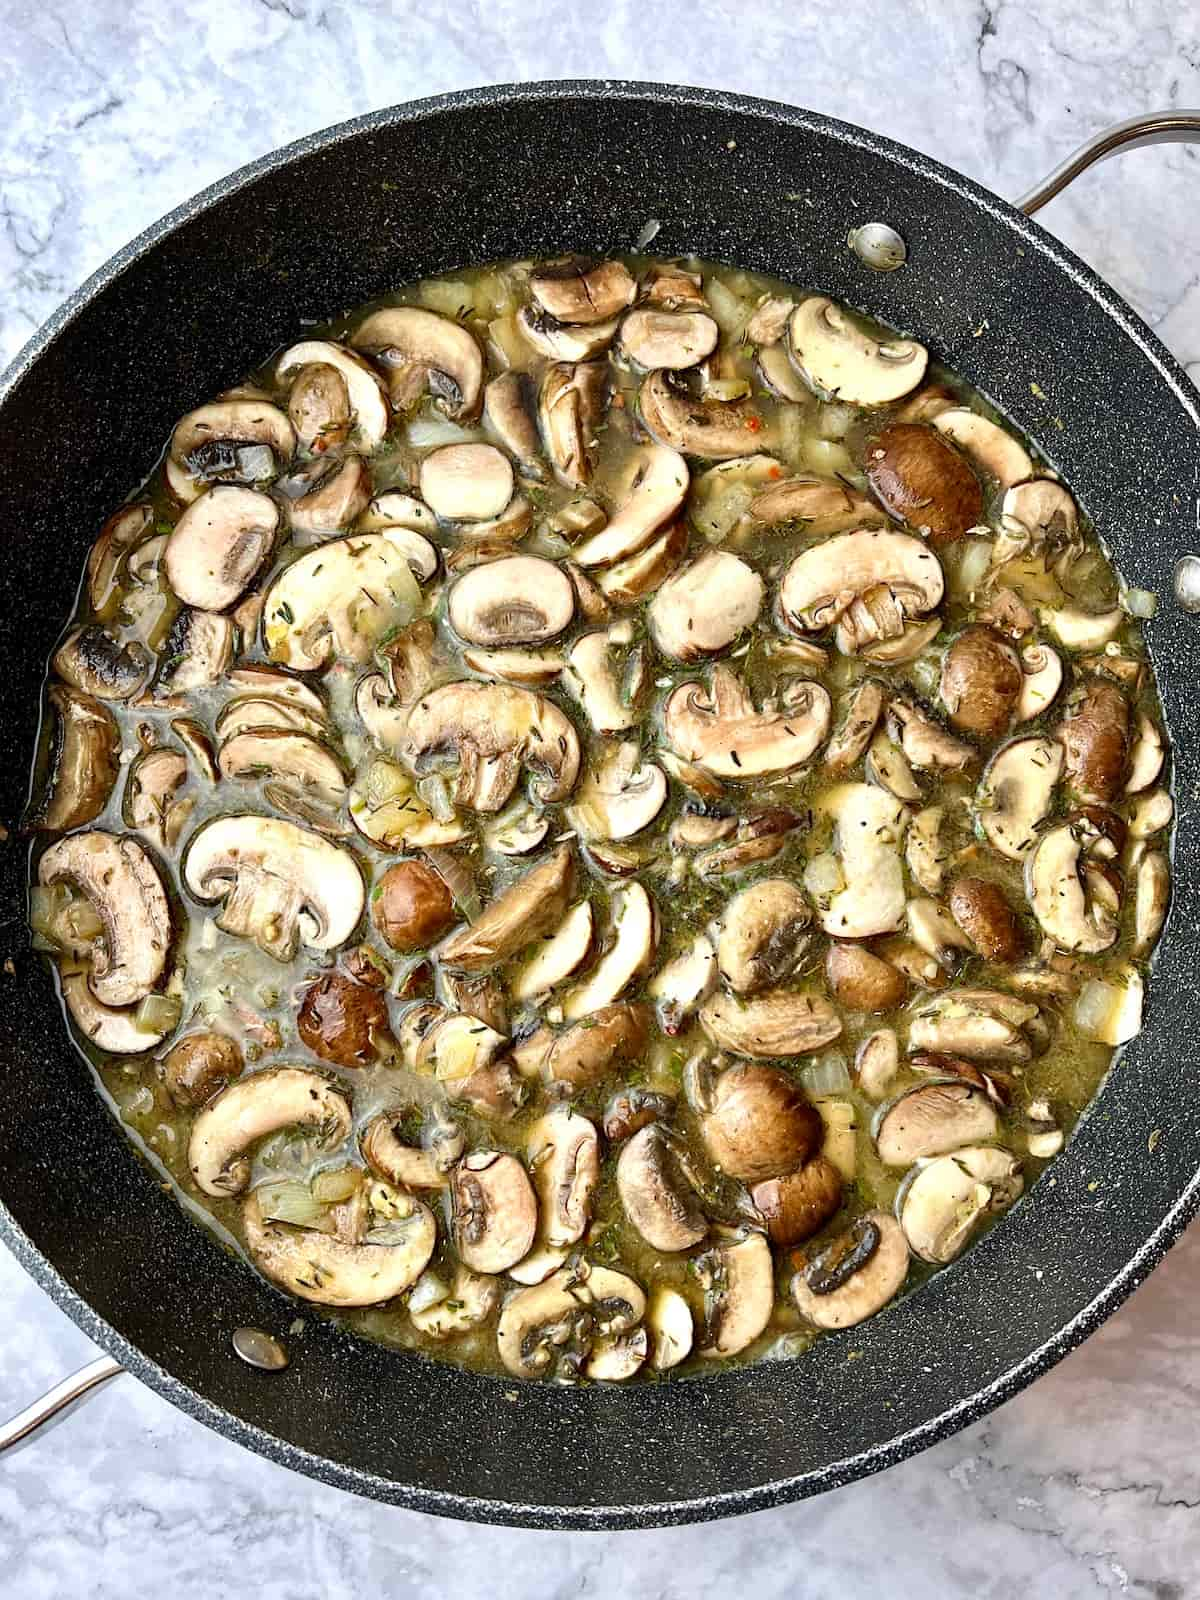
<point x="120" y="536"/>
<point x="705" y="608"/>
<point x="247" y="1111"/>
<point x="616" y="1357"/>
<point x="1016" y="792"/>
<point x="739" y="1284"/>
<point x="561" y="341"/>
<point x="457" y="1046"/>
<point x="980" y="1024"/>
<point x="338" y="493"/>
<point x="1060" y="895"/>
<point x="924" y="850"/>
<point x="124" y="889"/>
<point x="1042" y="677"/>
<point x="659" y="1200"/>
<point x="329" y="1271"/>
<point x="564" y="1157"/>
<point x="1111" y="1012"/>
<point x="932" y="1119"/>
<point x="715" y="430"/>
<point x="495" y="1211"/>
<point x="423" y="351"/>
<point x="410" y="526"/>
<point x="338" y="599"/>
<point x="219" y="544"/>
<point x="989" y="446"/>
<point x="569" y="401"/>
<point x="84" y="760"/>
<point x="924" y="741"/>
<point x="719" y="729"/>
<point x="527" y="667"/>
<point x="876" y="1063"/>
<point x="1146" y="760"/>
<point x="253" y="711"/>
<point x="822" y="505"/>
<point x="274" y="684"/>
<point x="508" y="412"/>
<point x="669" y="1324"/>
<point x="527" y="908"/>
<point x="686" y="981"/>
<point x="620" y="794"/>
<point x="537" y="1266"/>
<point x="671" y="339"/>
<point x="1150" y="813"/>
<point x="841" y="359"/>
<point x="774" y="367"/>
<point x="868" y="830"/>
<point x="467" y="482"/>
<point x="493" y="730"/>
<point x="906" y="646"/>
<point x="563" y="952"/>
<point x="635" y="924"/>
<point x="1083" y="630"/>
<point x="1044" y="511"/>
<point x="654" y="490"/>
<point x="1152" y="891"/>
<point x="888" y="766"/>
<point x="592" y="676"/>
<point x="407" y="1166"/>
<point x="944" y="1201"/>
<point x="472" y="1298"/>
<point x="854" y="1277"/>
<point x="766" y="1026"/>
<point x="935" y="931"/>
<point x="538" y="1321"/>
<point x="641" y="574"/>
<point x="518" y="600"/>
<point x="281" y="884"/>
<point x="573" y="292"/>
<point x="368" y="399"/>
<point x="825" y="582"/>
<point x="151" y="805"/>
<point x="864" y="705"/>
<point x="281" y="754"/>
<point x="245" y="439"/>
<point x="111" y="1028"/>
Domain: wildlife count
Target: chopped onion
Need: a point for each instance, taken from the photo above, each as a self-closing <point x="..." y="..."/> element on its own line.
<point x="841" y="1135"/>
<point x="289" y="1200"/>
<point x="729" y="313"/>
<point x="828" y="1074"/>
<point x="158" y="1013"/>
<point x="336" y="1184"/>
<point x="1139" y="602"/>
<point x="973" y="566"/>
<point x="823" y="876"/>
<point x="435" y="792"/>
<point x="1111" y="1013"/>
<point x="431" y="428"/>
<point x="457" y="877"/>
<point x="429" y="1290"/>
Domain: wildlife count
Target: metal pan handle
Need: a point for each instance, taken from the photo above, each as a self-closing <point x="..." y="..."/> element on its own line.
<point x="1158" y="127"/>
<point x="55" y="1404"/>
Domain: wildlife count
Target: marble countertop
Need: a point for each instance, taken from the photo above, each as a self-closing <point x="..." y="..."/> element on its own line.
<point x="1087" y="1484"/>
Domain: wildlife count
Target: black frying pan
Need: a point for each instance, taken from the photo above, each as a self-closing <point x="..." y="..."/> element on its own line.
<point x="337" y="219"/>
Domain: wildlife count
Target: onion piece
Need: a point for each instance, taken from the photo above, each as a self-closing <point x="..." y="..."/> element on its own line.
<point x="828" y="1074"/>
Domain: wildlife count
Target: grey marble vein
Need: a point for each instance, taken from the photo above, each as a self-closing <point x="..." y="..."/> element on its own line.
<point x="115" y="110"/>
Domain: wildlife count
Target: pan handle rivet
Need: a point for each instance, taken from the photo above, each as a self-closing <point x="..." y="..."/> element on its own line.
<point x="259" y="1349"/>
<point x="1187" y="582"/>
<point x="877" y="246"/>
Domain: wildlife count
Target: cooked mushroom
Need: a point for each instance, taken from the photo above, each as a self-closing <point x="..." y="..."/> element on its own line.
<point x="526" y="909"/>
<point x="411" y="905"/>
<point x="982" y="682"/>
<point x="628" y="580"/>
<point x="652" y="491"/>
<point x="1146" y="757"/>
<point x="854" y="1277"/>
<point x="1150" y="813"/>
<point x="739" y="1282"/>
<point x="867" y="582"/>
<point x="562" y="341"/>
<point x="328" y="494"/>
<point x="518" y="600"/>
<point x="1095" y="737"/>
<point x="1083" y="630"/>
<point x="593" y="676"/>
<point x="658" y="1199"/>
<point x="1043" y="512"/>
<point x="1016" y="792"/>
<point x="924" y="850"/>
<point x="495" y="1211"/>
<point x="1064" y="896"/>
<point x="569" y="403"/>
<point x="280" y="884"/>
<point x="945" y="1201"/>
<point x="923" y="740"/>
<point x="877" y="1062"/>
<point x="284" y="756"/>
<point x="721" y="731"/>
<point x="338" y="599"/>
<point x="251" y="1108"/>
<point x="312" y="414"/>
<point x="684" y="983"/>
<point x="669" y="1324"/>
<point x="199" y="1066"/>
<point x="706" y="607"/>
<point x="492" y="730"/>
<point x="243" y="440"/>
<point x="635" y="939"/>
<point x="765" y="934"/>
<point x="759" y="1123"/>
<point x="823" y="505"/>
<point x="471" y="1299"/>
<point x="716" y="430"/>
<point x="120" y="535"/>
<point x="858" y="889"/>
<point x="991" y="449"/>
<point x="620" y="794"/>
<point x="83" y="760"/>
<point x="1042" y="677"/>
<point x="861" y="980"/>
<point x="982" y="911"/>
<point x="889" y="767"/>
<point x="979" y="1024"/>
<point x="564" y="1157"/>
<point x="343" y="1021"/>
<point x="863" y="708"/>
<point x="507" y="408"/>
<point x="124" y="889"/>
<point x="117" y="1029"/>
<point x="467" y="482"/>
<point x="924" y="482"/>
<point x="93" y="662"/>
<point x="421" y="351"/>
<point x="151" y="805"/>
<point x="796" y="1205"/>
<point x="1152" y="891"/>
<point x="670" y="339"/>
<point x="598" y="1043"/>
<point x="843" y="360"/>
<point x="410" y="1166"/>
<point x="573" y="292"/>
<point x="932" y="1119"/>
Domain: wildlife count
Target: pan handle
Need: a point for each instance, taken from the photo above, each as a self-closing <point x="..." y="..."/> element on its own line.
<point x="57" y="1402"/>
<point x="1158" y="127"/>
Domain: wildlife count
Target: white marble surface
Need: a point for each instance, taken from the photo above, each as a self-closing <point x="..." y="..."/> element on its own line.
<point x="115" y="110"/>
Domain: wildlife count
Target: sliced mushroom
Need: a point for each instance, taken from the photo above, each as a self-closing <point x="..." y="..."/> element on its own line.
<point x="124" y="889"/>
<point x="283" y="755"/>
<point x="993" y="450"/>
<point x="936" y="932"/>
<point x="932" y="1119"/>
<point x="658" y="1199"/>
<point x="924" y="482"/>
<point x="564" y="1157"/>
<point x="83" y="761"/>
<point x="254" y="1107"/>
<point x="329" y="495"/>
<point x="924" y="850"/>
<point x="1152" y="891"/>
<point x="863" y="708"/>
<point x="472" y="1298"/>
<point x="494" y="1209"/>
<point x="151" y="803"/>
<point x="518" y="600"/>
<point x="1016" y="792"/>
<point x="560" y="340"/>
<point x="845" y="579"/>
<point x="670" y="339"/>
<point x="242" y="439"/>
<point x="573" y="292"/>
<point x="705" y="608"/>
<point x="822" y="505"/>
<point x="569" y="403"/>
<point x="592" y="675"/>
<point x="366" y="399"/>
<point x="525" y="910"/>
<point x="924" y="741"/>
<point x="620" y="794"/>
<point x="399" y="1239"/>
<point x="796" y="1205"/>
<point x="562" y="953"/>
<point x="338" y="599"/>
<point x="1083" y="630"/>
<point x="635" y="939"/>
<point x="877" y="1062"/>
<point x="1150" y="813"/>
<point x="422" y="351"/>
<point x="93" y="662"/>
<point x="407" y="1165"/>
<point x="467" y="482"/>
<point x="507" y="407"/>
<point x="599" y="1043"/>
<point x="889" y="767"/>
<point x="721" y="731"/>
<point x="684" y="983"/>
<point x="1042" y="678"/>
<point x="640" y="575"/>
<point x="1043" y="511"/>
<point x="1095" y="737"/>
<point x="765" y="934"/>
<point x="716" y="430"/>
<point x="541" y="1320"/>
<point x="492" y="730"/>
<point x="978" y="1024"/>
<point x="739" y="1281"/>
<point x="120" y="535"/>
<point x="759" y="1123"/>
<point x="651" y="493"/>
<point x="945" y="1201"/>
<point x="982" y="682"/>
<point x="861" y="980"/>
<point x="854" y="1277"/>
<point x="669" y="1324"/>
<point x="198" y="650"/>
<point x="280" y="884"/>
<point x="1146" y="757"/>
<point x="840" y="359"/>
<point x="982" y="911"/>
<point x="865" y="894"/>
<point x="777" y="1023"/>
<point x="112" y="1028"/>
<point x="1063" y="897"/>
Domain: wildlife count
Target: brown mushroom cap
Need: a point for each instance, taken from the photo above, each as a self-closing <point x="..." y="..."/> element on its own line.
<point x="1095" y="736"/>
<point x="95" y="663"/>
<point x="84" y="760"/>
<point x="343" y="1021"/>
<point x="863" y="981"/>
<point x="982" y="911"/>
<point x="981" y="682"/>
<point x="319" y="406"/>
<point x="599" y="1042"/>
<point x="760" y="1123"/>
<point x="574" y="292"/>
<point x="658" y="1200"/>
<point x="197" y="1067"/>
<point x="924" y="481"/>
<point x="795" y="1205"/>
<point x="411" y="905"/>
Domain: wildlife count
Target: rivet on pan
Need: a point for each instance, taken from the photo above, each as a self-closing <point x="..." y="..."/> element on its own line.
<point x="259" y="1349"/>
<point x="877" y="246"/>
<point x="1187" y="582"/>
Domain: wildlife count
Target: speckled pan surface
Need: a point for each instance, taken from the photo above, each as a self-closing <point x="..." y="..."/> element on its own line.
<point x="333" y="221"/>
